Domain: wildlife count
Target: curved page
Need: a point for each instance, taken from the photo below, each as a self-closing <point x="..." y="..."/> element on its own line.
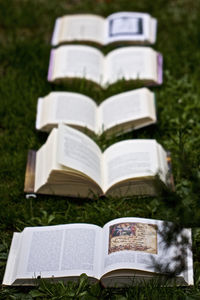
<point x="128" y="107"/>
<point x="66" y="107"/>
<point x="76" y="62"/>
<point x="79" y="28"/>
<point x="131" y="63"/>
<point x="130" y="159"/>
<point x="79" y="152"/>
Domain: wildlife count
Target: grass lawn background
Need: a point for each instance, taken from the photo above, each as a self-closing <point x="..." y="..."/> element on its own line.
<point x="25" y="32"/>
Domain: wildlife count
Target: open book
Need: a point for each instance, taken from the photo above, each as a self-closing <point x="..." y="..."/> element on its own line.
<point x="128" y="63"/>
<point x="71" y="164"/>
<point x="125" y="251"/>
<point x="117" y="114"/>
<point x="132" y="27"/>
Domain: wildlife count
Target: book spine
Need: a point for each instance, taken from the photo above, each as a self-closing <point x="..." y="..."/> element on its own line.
<point x="51" y="64"/>
<point x="30" y="172"/>
<point x="54" y="40"/>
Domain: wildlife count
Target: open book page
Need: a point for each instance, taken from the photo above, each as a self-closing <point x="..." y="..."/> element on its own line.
<point x="128" y="26"/>
<point x="130" y="244"/>
<point x="128" y="160"/>
<point x="70" y="108"/>
<point x="126" y="107"/>
<point x="58" y="251"/>
<point x="77" y="151"/>
<point x="77" y="61"/>
<point x="131" y="63"/>
<point x="140" y="244"/>
<point x="81" y="28"/>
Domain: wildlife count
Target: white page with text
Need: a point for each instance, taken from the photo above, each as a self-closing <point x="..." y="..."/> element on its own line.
<point x="129" y="159"/>
<point x="62" y="250"/>
<point x="78" y="61"/>
<point x="82" y="28"/>
<point x="124" y="107"/>
<point x="130" y="63"/>
<point x="79" y="152"/>
<point x="137" y="243"/>
<point x="73" y="109"/>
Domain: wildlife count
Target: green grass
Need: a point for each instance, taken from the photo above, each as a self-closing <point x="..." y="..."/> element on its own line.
<point x="26" y="28"/>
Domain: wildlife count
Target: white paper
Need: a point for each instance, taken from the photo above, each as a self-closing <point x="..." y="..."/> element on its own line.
<point x="131" y="63"/>
<point x="79" y="152"/>
<point x="124" y="107"/>
<point x="136" y="243"/>
<point x="82" y="28"/>
<point x="130" y="159"/>
<point x="70" y="108"/>
<point x="78" y="61"/>
<point x="62" y="250"/>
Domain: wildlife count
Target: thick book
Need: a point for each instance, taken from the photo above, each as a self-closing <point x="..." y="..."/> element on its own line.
<point x="126" y="27"/>
<point x="71" y="164"/>
<point x="115" y="115"/>
<point x="141" y="64"/>
<point x="126" y="251"/>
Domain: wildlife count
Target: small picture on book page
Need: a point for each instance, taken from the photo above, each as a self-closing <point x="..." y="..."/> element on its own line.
<point x="125" y="26"/>
<point x="133" y="236"/>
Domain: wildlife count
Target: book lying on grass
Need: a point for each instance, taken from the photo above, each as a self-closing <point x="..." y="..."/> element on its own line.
<point x="132" y="27"/>
<point x="141" y="64"/>
<point x="71" y="164"/>
<point x="117" y="114"/>
<point x="125" y="251"/>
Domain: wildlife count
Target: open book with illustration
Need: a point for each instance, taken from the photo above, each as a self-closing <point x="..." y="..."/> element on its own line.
<point x="117" y="114"/>
<point x="129" y="63"/>
<point x="71" y="164"/>
<point x="125" y="251"/>
<point x="132" y="27"/>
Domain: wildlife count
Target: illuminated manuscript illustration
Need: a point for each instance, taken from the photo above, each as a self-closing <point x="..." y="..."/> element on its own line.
<point x="133" y="236"/>
<point x="125" y="26"/>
